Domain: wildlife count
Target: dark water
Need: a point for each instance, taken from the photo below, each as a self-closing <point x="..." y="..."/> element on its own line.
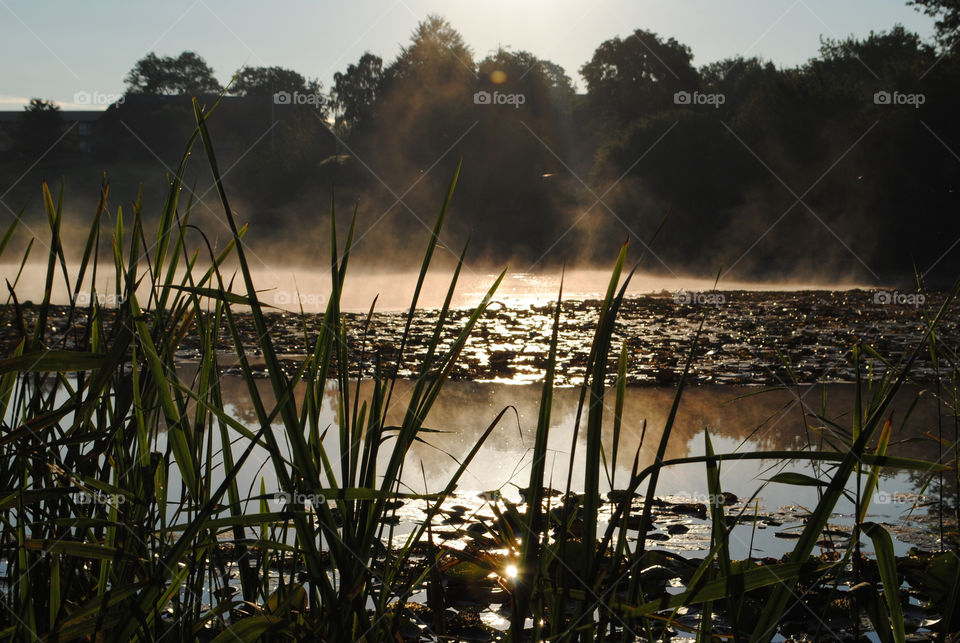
<point x="748" y="337"/>
<point x="762" y="338"/>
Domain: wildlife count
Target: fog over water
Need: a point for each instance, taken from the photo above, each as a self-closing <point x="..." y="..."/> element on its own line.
<point x="289" y="287"/>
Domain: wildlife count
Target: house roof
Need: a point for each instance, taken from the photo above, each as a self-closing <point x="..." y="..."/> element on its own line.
<point x="68" y="116"/>
<point x="81" y="115"/>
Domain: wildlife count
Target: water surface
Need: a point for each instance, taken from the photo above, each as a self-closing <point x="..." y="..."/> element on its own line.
<point x="738" y="420"/>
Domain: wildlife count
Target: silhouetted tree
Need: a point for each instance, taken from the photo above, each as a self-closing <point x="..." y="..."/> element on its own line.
<point x="878" y="52"/>
<point x="521" y="71"/>
<point x="947" y="13"/>
<point x="188" y="73"/>
<point x="267" y="81"/>
<point x="639" y="73"/>
<point x="424" y="102"/>
<point x="435" y="46"/>
<point x="523" y="140"/>
<point x="355" y="91"/>
<point x="862" y="132"/>
<point x="736" y="78"/>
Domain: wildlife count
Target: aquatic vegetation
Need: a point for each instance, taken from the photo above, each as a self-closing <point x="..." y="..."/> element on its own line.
<point x="123" y="517"/>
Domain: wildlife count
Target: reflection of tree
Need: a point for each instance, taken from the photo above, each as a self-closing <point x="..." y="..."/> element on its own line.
<point x="932" y="488"/>
<point x="236" y="397"/>
<point x="940" y="445"/>
<point x="767" y="421"/>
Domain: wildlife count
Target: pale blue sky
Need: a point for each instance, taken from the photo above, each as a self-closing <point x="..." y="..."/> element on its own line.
<point x="56" y="49"/>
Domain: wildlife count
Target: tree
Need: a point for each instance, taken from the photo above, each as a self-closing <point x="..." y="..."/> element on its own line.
<point x="640" y="73"/>
<point x="523" y="188"/>
<point x="355" y="91"/>
<point x="40" y="128"/>
<point x="435" y="47"/>
<point x="522" y="70"/>
<point x="883" y="54"/>
<point x="947" y="13"/>
<point x="424" y="102"/>
<point x="737" y="73"/>
<point x="267" y="81"/>
<point x="188" y="73"/>
<point x="750" y="90"/>
<point x="544" y="93"/>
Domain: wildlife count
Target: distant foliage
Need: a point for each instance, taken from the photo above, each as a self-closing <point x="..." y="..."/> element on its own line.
<point x="354" y="92"/>
<point x="947" y="13"/>
<point x="843" y="163"/>
<point x="187" y="74"/>
<point x="267" y="81"/>
<point x="638" y="74"/>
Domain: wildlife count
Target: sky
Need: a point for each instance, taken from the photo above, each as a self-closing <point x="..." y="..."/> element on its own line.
<point x="77" y="53"/>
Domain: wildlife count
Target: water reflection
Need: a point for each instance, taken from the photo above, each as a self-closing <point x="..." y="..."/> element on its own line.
<point x="738" y="420"/>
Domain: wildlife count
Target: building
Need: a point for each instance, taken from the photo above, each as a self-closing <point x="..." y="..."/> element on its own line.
<point x="81" y="124"/>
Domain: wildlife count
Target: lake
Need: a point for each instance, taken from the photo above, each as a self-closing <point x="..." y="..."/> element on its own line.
<point x="738" y="419"/>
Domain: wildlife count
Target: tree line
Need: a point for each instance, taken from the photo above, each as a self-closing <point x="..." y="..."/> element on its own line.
<point x="846" y="166"/>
